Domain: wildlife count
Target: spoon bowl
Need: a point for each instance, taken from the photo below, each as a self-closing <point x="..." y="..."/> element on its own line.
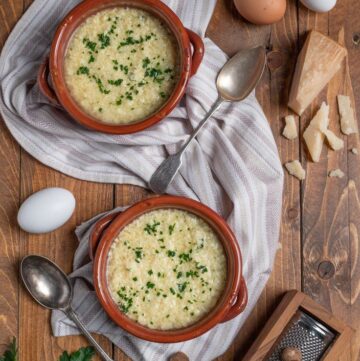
<point x="48" y="284"/>
<point x="51" y="287"/>
<point x="241" y="74"/>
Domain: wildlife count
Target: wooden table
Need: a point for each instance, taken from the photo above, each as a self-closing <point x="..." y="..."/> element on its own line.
<point x="321" y="216"/>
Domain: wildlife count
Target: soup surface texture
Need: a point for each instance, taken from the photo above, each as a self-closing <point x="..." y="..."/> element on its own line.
<point x="121" y="65"/>
<point x="166" y="269"/>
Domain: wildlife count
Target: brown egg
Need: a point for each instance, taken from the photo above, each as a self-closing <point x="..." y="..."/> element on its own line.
<point x="261" y="11"/>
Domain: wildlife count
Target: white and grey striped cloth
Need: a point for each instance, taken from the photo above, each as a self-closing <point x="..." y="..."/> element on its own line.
<point x="233" y="167"/>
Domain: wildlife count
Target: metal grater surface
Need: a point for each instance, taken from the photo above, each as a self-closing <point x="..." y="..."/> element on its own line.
<point x="308" y="335"/>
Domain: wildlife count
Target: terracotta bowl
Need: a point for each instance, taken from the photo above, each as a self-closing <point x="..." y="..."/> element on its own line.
<point x="234" y="297"/>
<point x="53" y="68"/>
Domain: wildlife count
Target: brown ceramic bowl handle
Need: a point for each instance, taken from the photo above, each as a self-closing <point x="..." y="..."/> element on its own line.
<point x="198" y="53"/>
<point x="98" y="231"/>
<point x="239" y="304"/>
<point x="44" y="83"/>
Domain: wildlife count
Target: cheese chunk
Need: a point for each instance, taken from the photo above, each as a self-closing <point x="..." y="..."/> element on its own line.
<point x="318" y="61"/>
<point x="338" y="173"/>
<point x="295" y="168"/>
<point x="334" y="141"/>
<point x="290" y="131"/>
<point x="314" y="133"/>
<point x="347" y="118"/>
<point x="354" y="151"/>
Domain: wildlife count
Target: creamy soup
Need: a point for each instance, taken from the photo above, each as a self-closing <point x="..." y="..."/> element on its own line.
<point x="166" y="269"/>
<point x="121" y="65"/>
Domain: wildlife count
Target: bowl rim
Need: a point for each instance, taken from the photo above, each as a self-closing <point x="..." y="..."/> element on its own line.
<point x="63" y="35"/>
<point x="225" y="302"/>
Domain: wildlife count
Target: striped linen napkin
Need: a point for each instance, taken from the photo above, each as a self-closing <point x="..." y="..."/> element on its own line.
<point x="233" y="166"/>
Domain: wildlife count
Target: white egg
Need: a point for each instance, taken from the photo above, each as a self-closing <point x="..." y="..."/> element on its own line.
<point x="320" y="6"/>
<point x="46" y="210"/>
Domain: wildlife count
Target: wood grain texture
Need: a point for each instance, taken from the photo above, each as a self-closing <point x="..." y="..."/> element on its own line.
<point x="320" y="218"/>
<point x="329" y="227"/>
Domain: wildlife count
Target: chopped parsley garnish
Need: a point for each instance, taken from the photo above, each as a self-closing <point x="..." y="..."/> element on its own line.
<point x="171" y="228"/>
<point x="171" y="253"/>
<point x="182" y="286"/>
<point x="201" y="267"/>
<point x="172" y="291"/>
<point x="126" y="302"/>
<point x="192" y="274"/>
<point x="138" y="254"/>
<point x="179" y="275"/>
<point x="124" y="68"/>
<point x="100" y="85"/>
<point x="104" y="40"/>
<point x="135" y="279"/>
<point x="151" y="229"/>
<point x="116" y="82"/>
<point x="150" y="272"/>
<point x="150" y="284"/>
<point x="91" y="59"/>
<point x="100" y="110"/>
<point x="185" y="257"/>
<point x="155" y="74"/>
<point x="83" y="70"/>
<point x="162" y="94"/>
<point x="89" y="44"/>
<point x="145" y="62"/>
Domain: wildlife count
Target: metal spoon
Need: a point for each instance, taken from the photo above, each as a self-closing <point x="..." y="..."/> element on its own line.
<point x="50" y="287"/>
<point x="235" y="82"/>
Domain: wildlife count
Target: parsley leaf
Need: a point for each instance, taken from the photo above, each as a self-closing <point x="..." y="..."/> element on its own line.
<point x="11" y="353"/>
<point x="83" y="354"/>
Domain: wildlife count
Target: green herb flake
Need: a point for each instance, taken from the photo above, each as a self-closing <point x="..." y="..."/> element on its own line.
<point x="171" y="228"/>
<point x="126" y="301"/>
<point x="145" y="62"/>
<point x="104" y="40"/>
<point x="135" y="279"/>
<point x="91" y="59"/>
<point x="151" y="229"/>
<point x="182" y="286"/>
<point x="83" y="354"/>
<point x="83" y="70"/>
<point x="171" y="253"/>
<point x="179" y="275"/>
<point x="89" y="44"/>
<point x="150" y="272"/>
<point x="172" y="291"/>
<point x="150" y="285"/>
<point x="116" y="82"/>
<point x="11" y="353"/>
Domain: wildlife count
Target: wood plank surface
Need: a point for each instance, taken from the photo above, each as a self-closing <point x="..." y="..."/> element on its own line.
<point x="319" y="242"/>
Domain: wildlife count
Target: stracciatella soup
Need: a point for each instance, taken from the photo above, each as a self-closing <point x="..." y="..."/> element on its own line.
<point x="121" y="65"/>
<point x="166" y="269"/>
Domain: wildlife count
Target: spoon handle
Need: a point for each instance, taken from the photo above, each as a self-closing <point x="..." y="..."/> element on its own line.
<point x="74" y="317"/>
<point x="167" y="170"/>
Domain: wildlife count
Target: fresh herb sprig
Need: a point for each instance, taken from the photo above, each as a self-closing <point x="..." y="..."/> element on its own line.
<point x="83" y="354"/>
<point x="11" y="353"/>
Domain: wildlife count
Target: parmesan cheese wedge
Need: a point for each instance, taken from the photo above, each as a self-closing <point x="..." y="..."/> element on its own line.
<point x="319" y="60"/>
<point x="290" y="131"/>
<point x="338" y="173"/>
<point x="347" y="118"/>
<point x="334" y="141"/>
<point x="314" y="133"/>
<point x="295" y="168"/>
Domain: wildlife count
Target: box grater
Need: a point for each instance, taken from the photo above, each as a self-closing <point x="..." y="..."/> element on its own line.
<point x="300" y="329"/>
<point x="306" y="334"/>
